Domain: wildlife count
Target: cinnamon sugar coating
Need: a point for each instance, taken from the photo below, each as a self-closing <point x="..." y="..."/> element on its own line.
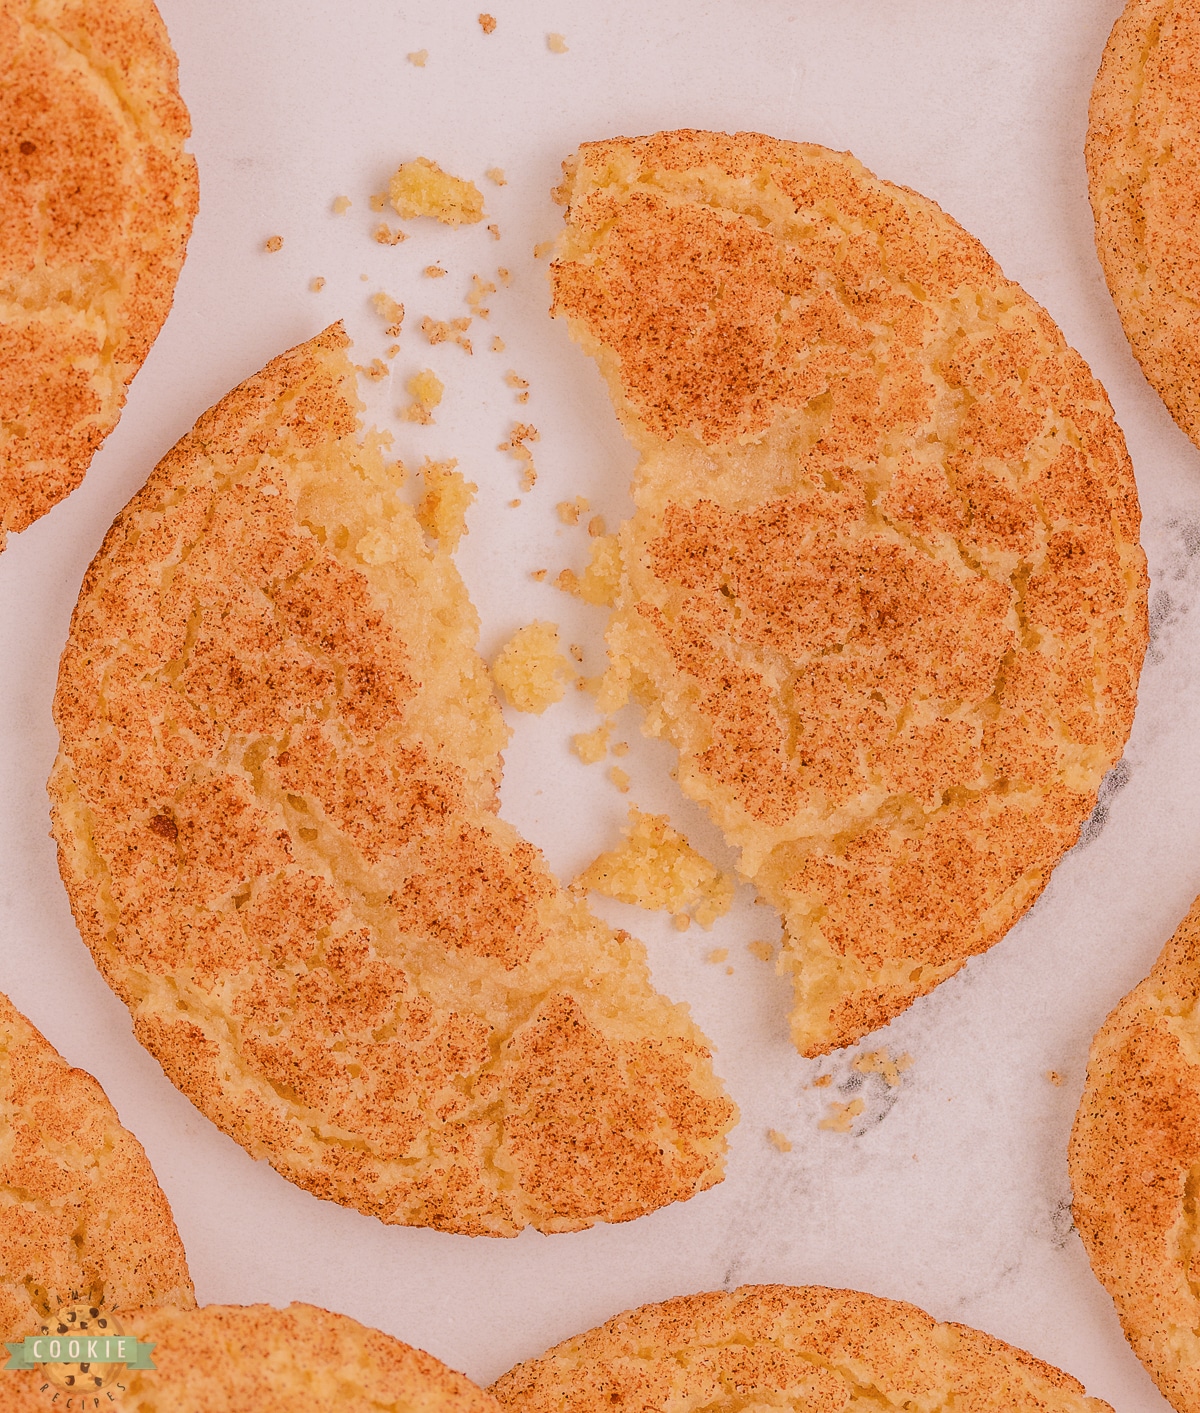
<point x="805" y="1348"/>
<point x="1135" y="1165"/>
<point x="1143" y="165"/>
<point x="82" y="1210"/>
<point x="97" y="198"/>
<point x="275" y="802"/>
<point x="882" y="589"/>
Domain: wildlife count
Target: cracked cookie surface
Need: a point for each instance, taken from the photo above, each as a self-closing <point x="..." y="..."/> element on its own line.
<point x="883" y="588"/>
<point x="1143" y="165"/>
<point x="81" y="1212"/>
<point x="97" y="198"/>
<point x="1135" y="1165"/>
<point x="808" y="1347"/>
<point x="275" y="801"/>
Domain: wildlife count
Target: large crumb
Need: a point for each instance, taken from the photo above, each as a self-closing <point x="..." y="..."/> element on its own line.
<point x="317" y="283"/>
<point x="433" y="272"/>
<point x="496" y="174"/>
<point x="418" y="57"/>
<point x="341" y="204"/>
<point x="447" y="330"/>
<point x="591" y="746"/>
<point x="762" y="950"/>
<point x="442" y="511"/>
<point x="479" y="291"/>
<point x="384" y="234"/>
<point x="487" y="23"/>
<point x="569" y="511"/>
<point x="780" y="1140"/>
<point x="556" y="44"/>
<point x="426" y="390"/>
<point x="391" y="311"/>
<point x="523" y="432"/>
<point x="421" y="188"/>
<point x="530" y="670"/>
<point x="840" y="1118"/>
<point x="654" y="866"/>
<point x="273" y="243"/>
<point x="880" y="1062"/>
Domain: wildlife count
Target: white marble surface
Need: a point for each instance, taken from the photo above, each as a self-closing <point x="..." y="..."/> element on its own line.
<point x="953" y="1191"/>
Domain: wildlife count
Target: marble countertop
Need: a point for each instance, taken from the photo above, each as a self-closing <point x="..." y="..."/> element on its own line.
<point x="951" y="1189"/>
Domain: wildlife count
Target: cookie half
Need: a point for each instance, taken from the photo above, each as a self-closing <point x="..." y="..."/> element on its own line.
<point x="97" y="198"/>
<point x="883" y="588"/>
<point x="232" y="1358"/>
<point x="1143" y="165"/>
<point x="1135" y="1165"/>
<point x="81" y="1214"/>
<point x="776" y="1346"/>
<point x="275" y="803"/>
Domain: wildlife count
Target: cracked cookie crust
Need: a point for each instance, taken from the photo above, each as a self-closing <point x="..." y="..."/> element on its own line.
<point x="81" y="1212"/>
<point x="883" y="588"/>
<point x="784" y="1347"/>
<point x="275" y="803"/>
<point x="97" y="198"/>
<point x="1135" y="1165"/>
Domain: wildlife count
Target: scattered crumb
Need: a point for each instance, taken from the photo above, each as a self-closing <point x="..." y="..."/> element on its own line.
<point x="841" y="1116"/>
<point x="418" y="58"/>
<point x="514" y="503"/>
<point x="530" y="670"/>
<point x="762" y="950"/>
<point x="391" y="311"/>
<point x="479" y="291"/>
<point x="556" y="44"/>
<point x="392" y="350"/>
<point x="496" y="174"/>
<point x="568" y="582"/>
<point x="602" y="577"/>
<point x="376" y="370"/>
<point x="780" y="1140"/>
<point x="426" y="389"/>
<point x="317" y="283"/>
<point x="443" y="330"/>
<point x="421" y="188"/>
<point x="1055" y="1078"/>
<point x="541" y="250"/>
<point x="494" y="231"/>
<point x="503" y="275"/>
<point x="378" y="200"/>
<point x="880" y="1062"/>
<point x="718" y="954"/>
<point x="654" y="866"/>
<point x="433" y="272"/>
<point x="576" y="651"/>
<point x="590" y="746"/>
<point x="523" y="432"/>
<point x="364" y="278"/>
<point x="538" y="574"/>
<point x="728" y="971"/>
<point x="340" y="205"/>
<point x="273" y="243"/>
<point x="569" y="511"/>
<point x="487" y="23"/>
<point x="822" y="1081"/>
<point x="596" y="526"/>
<point x="621" y="748"/>
<point x="619" y="777"/>
<point x="384" y="234"/>
<point x="682" y="922"/>
<point x="514" y="380"/>
<point x="497" y="344"/>
<point x="442" y="511"/>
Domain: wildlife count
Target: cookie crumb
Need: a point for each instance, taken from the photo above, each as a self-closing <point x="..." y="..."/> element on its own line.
<point x="426" y="389"/>
<point x="375" y="370"/>
<point x="479" y="291"/>
<point x="442" y="511"/>
<point x="569" y="511"/>
<point x="378" y="200"/>
<point x="530" y="670"/>
<point x="340" y="204"/>
<point x="780" y="1140"/>
<point x="576" y="651"/>
<point x="523" y="432"/>
<point x="568" y="582"/>
<point x="389" y="310"/>
<point x="762" y="950"/>
<point x="498" y="344"/>
<point x="621" y="748"/>
<point x="1055" y="1077"/>
<point x="538" y="574"/>
<point x="433" y="272"/>
<point x="447" y="330"/>
<point x="590" y="746"/>
<point x="619" y="777"/>
<point x="496" y="175"/>
<point x="880" y="1062"/>
<point x="556" y="44"/>
<point x="494" y="231"/>
<point x="273" y="243"/>
<point x="421" y="188"/>
<point x="417" y="58"/>
<point x="596" y="526"/>
<point x="386" y="236"/>
<point x="681" y="922"/>
<point x="487" y="23"/>
<point x="503" y="275"/>
<point x="514" y="380"/>
<point x="718" y="954"/>
<point x="840" y="1118"/>
<point x="542" y="249"/>
<point x="317" y="283"/>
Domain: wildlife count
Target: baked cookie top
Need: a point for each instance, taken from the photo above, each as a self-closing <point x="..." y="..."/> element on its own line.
<point x="275" y="802"/>
<point x="775" y="1346"/>
<point x="883" y="588"/>
<point x="97" y="198"/>
<point x="1143" y="164"/>
<point x="1134" y="1160"/>
<point x="84" y="1214"/>
<point x="233" y="1358"/>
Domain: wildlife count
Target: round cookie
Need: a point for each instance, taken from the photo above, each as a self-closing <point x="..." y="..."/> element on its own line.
<point x="1135" y="1164"/>
<point x="97" y="198"/>
<point x="233" y="1358"/>
<point x="1143" y="165"/>
<point x="883" y="588"/>
<point x="83" y="1215"/>
<point x="275" y="803"/>
<point x="774" y="1346"/>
